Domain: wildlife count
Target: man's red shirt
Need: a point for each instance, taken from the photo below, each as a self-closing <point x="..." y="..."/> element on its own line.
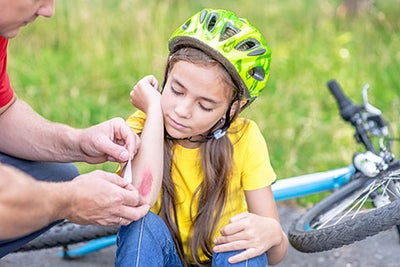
<point x="6" y="91"/>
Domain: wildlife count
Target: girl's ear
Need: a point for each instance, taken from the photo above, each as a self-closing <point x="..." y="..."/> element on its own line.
<point x="237" y="105"/>
<point x="243" y="103"/>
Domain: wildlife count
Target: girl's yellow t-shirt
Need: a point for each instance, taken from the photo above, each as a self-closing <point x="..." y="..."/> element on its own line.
<point x="252" y="170"/>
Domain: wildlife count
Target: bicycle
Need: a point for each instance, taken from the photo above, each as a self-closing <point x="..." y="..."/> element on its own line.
<point x="368" y="202"/>
<point x="314" y="230"/>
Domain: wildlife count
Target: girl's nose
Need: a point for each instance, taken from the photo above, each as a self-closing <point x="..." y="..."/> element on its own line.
<point x="184" y="109"/>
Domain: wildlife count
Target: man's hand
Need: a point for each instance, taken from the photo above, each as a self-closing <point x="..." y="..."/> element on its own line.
<point x="103" y="198"/>
<point x="111" y="140"/>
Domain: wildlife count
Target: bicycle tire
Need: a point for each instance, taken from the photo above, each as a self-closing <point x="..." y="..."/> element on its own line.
<point x="307" y="239"/>
<point x="67" y="233"/>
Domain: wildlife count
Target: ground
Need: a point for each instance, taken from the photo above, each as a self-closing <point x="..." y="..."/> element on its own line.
<point x="381" y="250"/>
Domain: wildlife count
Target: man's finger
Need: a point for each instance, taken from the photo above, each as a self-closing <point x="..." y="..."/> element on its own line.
<point x="130" y="140"/>
<point x="131" y="214"/>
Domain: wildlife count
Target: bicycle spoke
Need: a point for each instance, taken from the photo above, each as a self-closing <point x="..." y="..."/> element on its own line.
<point x="380" y="191"/>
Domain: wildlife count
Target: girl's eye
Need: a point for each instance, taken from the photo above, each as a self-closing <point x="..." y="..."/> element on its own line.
<point x="175" y="92"/>
<point x="205" y="108"/>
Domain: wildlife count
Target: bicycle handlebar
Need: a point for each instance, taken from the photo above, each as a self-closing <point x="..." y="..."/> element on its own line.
<point x="352" y="114"/>
<point x="347" y="108"/>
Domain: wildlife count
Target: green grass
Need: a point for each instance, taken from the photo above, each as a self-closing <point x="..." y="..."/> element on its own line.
<point x="79" y="67"/>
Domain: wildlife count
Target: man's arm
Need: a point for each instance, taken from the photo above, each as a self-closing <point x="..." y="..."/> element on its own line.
<point x="27" y="205"/>
<point x="25" y="134"/>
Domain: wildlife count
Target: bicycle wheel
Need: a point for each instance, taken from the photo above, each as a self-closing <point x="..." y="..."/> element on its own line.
<point x="67" y="233"/>
<point x="362" y="208"/>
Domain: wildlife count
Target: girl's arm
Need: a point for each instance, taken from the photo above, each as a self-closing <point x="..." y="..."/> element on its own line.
<point x="147" y="165"/>
<point x="256" y="232"/>
<point x="262" y="203"/>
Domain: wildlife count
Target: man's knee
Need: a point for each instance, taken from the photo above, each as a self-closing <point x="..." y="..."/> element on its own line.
<point x="44" y="171"/>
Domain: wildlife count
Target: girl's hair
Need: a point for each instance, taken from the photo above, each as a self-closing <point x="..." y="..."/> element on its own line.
<point x="217" y="161"/>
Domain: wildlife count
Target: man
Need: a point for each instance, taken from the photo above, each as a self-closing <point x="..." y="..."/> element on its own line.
<point x="36" y="189"/>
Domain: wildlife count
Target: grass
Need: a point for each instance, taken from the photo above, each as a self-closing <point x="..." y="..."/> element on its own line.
<point x="79" y="67"/>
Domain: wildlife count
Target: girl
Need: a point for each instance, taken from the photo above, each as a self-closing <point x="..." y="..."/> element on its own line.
<point x="215" y="176"/>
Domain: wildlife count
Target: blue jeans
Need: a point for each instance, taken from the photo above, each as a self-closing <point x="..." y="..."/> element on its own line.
<point x="44" y="171"/>
<point x="148" y="243"/>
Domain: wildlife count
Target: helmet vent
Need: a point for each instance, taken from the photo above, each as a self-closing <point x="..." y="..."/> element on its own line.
<point x="228" y="32"/>
<point x="258" y="52"/>
<point x="248" y="44"/>
<point x="212" y="20"/>
<point x="257" y="73"/>
<point x="203" y="16"/>
<point x="186" y="25"/>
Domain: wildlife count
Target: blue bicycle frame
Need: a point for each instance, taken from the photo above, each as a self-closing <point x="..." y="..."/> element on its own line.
<point x="312" y="183"/>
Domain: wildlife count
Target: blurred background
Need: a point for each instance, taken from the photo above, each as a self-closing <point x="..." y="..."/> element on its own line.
<point x="79" y="67"/>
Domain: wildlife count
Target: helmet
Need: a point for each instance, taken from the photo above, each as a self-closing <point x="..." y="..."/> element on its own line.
<point x="233" y="42"/>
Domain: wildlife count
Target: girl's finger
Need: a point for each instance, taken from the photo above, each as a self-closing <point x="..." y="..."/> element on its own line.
<point x="245" y="255"/>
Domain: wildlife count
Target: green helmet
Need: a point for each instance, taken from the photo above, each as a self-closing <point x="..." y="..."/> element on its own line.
<point x="232" y="41"/>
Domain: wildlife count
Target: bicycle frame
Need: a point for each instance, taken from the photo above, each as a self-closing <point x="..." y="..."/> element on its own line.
<point x="299" y="186"/>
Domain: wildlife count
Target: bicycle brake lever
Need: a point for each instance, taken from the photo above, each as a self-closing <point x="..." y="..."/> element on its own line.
<point x="374" y="114"/>
<point x="368" y="107"/>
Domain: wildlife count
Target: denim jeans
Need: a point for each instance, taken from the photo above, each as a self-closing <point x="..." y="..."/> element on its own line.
<point x="148" y="243"/>
<point x="44" y="171"/>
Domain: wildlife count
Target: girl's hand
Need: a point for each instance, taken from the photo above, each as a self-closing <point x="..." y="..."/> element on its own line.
<point x="249" y="232"/>
<point x="145" y="93"/>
